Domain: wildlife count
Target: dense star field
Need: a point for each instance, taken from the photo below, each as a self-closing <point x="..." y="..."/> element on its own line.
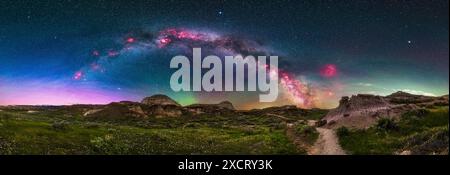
<point x="61" y="52"/>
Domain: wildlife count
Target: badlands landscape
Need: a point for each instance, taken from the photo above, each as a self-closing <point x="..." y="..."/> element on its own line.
<point x="400" y="124"/>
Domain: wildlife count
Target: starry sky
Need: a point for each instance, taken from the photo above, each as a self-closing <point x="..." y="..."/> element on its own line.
<point x="62" y="52"/>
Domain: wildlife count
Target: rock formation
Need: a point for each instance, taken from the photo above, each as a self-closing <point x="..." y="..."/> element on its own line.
<point x="156" y="106"/>
<point x="221" y="108"/>
<point x="159" y="100"/>
<point x="362" y="111"/>
<point x="161" y="111"/>
<point x="226" y="105"/>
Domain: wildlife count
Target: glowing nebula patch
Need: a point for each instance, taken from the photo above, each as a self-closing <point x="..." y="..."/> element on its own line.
<point x="329" y="71"/>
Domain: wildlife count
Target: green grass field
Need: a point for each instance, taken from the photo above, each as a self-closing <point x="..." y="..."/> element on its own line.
<point x="59" y="133"/>
<point x="66" y="132"/>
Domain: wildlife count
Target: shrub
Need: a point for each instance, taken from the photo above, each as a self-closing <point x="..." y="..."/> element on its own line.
<point x="304" y="130"/>
<point x="308" y="134"/>
<point x="321" y="123"/>
<point x="416" y="113"/>
<point x="343" y="131"/>
<point x="248" y="130"/>
<point x="386" y="124"/>
<point x="110" y="145"/>
<point x="276" y="125"/>
<point x="432" y="141"/>
<point x="6" y="146"/>
<point x="92" y="125"/>
<point x="192" y="125"/>
<point x="60" y="126"/>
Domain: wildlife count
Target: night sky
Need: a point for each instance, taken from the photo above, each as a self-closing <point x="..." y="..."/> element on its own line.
<point x="60" y="52"/>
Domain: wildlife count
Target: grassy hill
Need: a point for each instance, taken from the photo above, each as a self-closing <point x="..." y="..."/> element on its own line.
<point x="66" y="131"/>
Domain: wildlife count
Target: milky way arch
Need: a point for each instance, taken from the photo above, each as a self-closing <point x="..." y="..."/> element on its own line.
<point x="186" y="39"/>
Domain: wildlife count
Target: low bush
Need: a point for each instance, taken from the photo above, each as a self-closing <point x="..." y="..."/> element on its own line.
<point x="343" y="131"/>
<point x="60" y="125"/>
<point x="321" y="123"/>
<point x="6" y="146"/>
<point x="304" y="129"/>
<point x="420" y="113"/>
<point x="386" y="124"/>
<point x="308" y="133"/>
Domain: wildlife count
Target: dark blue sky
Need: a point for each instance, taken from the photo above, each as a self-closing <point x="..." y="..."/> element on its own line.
<point x="378" y="46"/>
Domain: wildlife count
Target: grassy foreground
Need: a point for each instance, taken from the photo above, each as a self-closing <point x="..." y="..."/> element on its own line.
<point x="42" y="133"/>
<point x="419" y="132"/>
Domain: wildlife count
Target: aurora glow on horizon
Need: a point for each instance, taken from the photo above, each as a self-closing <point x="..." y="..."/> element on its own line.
<point x="97" y="52"/>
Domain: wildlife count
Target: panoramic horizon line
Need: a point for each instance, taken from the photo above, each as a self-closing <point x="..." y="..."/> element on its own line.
<point x="106" y="103"/>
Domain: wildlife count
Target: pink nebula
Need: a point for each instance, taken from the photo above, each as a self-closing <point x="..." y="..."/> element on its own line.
<point x="328" y="71"/>
<point x="130" y="40"/>
<point x="78" y="75"/>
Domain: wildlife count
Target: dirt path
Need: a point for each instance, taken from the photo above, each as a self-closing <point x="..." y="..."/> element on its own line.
<point x="279" y="116"/>
<point x="326" y="144"/>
